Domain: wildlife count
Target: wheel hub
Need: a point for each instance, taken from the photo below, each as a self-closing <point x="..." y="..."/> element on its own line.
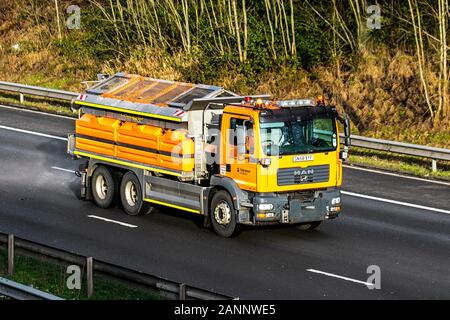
<point x="101" y="187"/>
<point x="222" y="213"/>
<point x="130" y="194"/>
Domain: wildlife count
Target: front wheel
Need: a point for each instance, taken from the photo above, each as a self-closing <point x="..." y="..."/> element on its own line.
<point x="309" y="225"/>
<point x="223" y="217"/>
<point x="131" y="196"/>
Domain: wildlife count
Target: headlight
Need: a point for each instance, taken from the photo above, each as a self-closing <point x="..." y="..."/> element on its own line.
<point x="265" y="206"/>
<point x="336" y="200"/>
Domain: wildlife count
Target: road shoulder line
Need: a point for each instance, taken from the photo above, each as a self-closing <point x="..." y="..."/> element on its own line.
<point x="33" y="133"/>
<point x="395" y="174"/>
<point x="401" y="203"/>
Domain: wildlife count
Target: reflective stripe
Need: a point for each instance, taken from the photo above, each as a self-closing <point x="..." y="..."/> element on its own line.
<point x="144" y="114"/>
<point x="171" y="205"/>
<point x="130" y="164"/>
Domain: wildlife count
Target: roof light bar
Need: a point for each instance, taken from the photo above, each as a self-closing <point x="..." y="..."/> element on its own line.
<point x="296" y="103"/>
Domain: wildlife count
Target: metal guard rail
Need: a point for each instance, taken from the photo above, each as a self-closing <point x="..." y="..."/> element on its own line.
<point x="168" y="288"/>
<point x="19" y="291"/>
<point x="37" y="91"/>
<point x="400" y="147"/>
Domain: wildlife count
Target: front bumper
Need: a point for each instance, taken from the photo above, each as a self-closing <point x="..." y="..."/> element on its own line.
<point x="293" y="208"/>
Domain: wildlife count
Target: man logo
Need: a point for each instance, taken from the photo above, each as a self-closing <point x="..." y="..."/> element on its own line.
<point x="303" y="172"/>
<point x="303" y="175"/>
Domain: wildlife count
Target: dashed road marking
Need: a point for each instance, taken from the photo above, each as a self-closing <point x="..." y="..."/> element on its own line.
<point x="340" y="277"/>
<point x="113" y="221"/>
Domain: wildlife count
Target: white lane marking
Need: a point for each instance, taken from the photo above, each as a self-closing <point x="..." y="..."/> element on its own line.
<point x="63" y="169"/>
<point x="407" y="204"/>
<point x="397" y="175"/>
<point x="340" y="277"/>
<point x="33" y="133"/>
<point x="38" y="112"/>
<point x="113" y="221"/>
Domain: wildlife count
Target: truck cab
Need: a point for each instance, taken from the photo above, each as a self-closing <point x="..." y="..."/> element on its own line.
<point x="285" y="156"/>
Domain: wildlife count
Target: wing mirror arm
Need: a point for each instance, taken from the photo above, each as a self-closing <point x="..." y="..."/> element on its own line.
<point x="343" y="154"/>
<point x="346" y="122"/>
<point x="347" y="140"/>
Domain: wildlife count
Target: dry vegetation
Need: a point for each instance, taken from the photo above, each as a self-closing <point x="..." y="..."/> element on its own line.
<point x="393" y="84"/>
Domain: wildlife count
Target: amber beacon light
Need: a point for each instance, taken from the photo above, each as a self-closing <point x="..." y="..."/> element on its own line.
<point x="320" y="100"/>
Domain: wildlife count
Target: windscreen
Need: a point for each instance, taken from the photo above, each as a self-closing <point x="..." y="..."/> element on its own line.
<point x="298" y="136"/>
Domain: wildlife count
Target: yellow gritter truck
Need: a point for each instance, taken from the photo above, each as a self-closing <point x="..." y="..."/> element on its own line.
<point x="202" y="149"/>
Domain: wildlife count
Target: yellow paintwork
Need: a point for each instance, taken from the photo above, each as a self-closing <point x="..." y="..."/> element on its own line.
<point x="267" y="177"/>
<point x="252" y="176"/>
<point x="171" y="205"/>
<point x="242" y="171"/>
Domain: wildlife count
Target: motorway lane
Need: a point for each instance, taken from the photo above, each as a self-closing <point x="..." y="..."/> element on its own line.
<point x="411" y="246"/>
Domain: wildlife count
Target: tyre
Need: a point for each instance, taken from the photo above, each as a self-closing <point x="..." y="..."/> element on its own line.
<point x="104" y="187"/>
<point x="223" y="216"/>
<point x="309" y="225"/>
<point x="131" y="196"/>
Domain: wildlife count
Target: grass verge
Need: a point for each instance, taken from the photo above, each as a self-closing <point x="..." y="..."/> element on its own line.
<point x="52" y="277"/>
<point x="411" y="165"/>
<point x="39" y="104"/>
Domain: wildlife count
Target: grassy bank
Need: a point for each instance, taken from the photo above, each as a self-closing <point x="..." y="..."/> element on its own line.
<point x="38" y="104"/>
<point x="51" y="278"/>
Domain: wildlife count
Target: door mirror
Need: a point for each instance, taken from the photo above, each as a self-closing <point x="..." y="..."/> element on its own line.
<point x="347" y="139"/>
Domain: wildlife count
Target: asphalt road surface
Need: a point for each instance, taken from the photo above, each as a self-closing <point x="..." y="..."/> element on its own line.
<point x="400" y="224"/>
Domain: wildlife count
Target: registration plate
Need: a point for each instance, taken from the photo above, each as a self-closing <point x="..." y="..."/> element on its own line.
<point x="302" y="158"/>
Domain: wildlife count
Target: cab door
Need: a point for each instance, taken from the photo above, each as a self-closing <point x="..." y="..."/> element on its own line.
<point x="238" y="155"/>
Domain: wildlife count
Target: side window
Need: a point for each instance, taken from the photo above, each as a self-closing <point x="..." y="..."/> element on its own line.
<point x="323" y="132"/>
<point x="249" y="138"/>
<point x="241" y="134"/>
<point x="236" y="125"/>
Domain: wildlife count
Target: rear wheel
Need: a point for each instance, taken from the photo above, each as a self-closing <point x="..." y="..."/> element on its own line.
<point x="131" y="196"/>
<point x="309" y="225"/>
<point x="222" y="215"/>
<point x="104" y="187"/>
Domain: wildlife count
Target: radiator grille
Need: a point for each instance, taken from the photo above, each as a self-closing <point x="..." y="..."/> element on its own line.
<point x="312" y="174"/>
